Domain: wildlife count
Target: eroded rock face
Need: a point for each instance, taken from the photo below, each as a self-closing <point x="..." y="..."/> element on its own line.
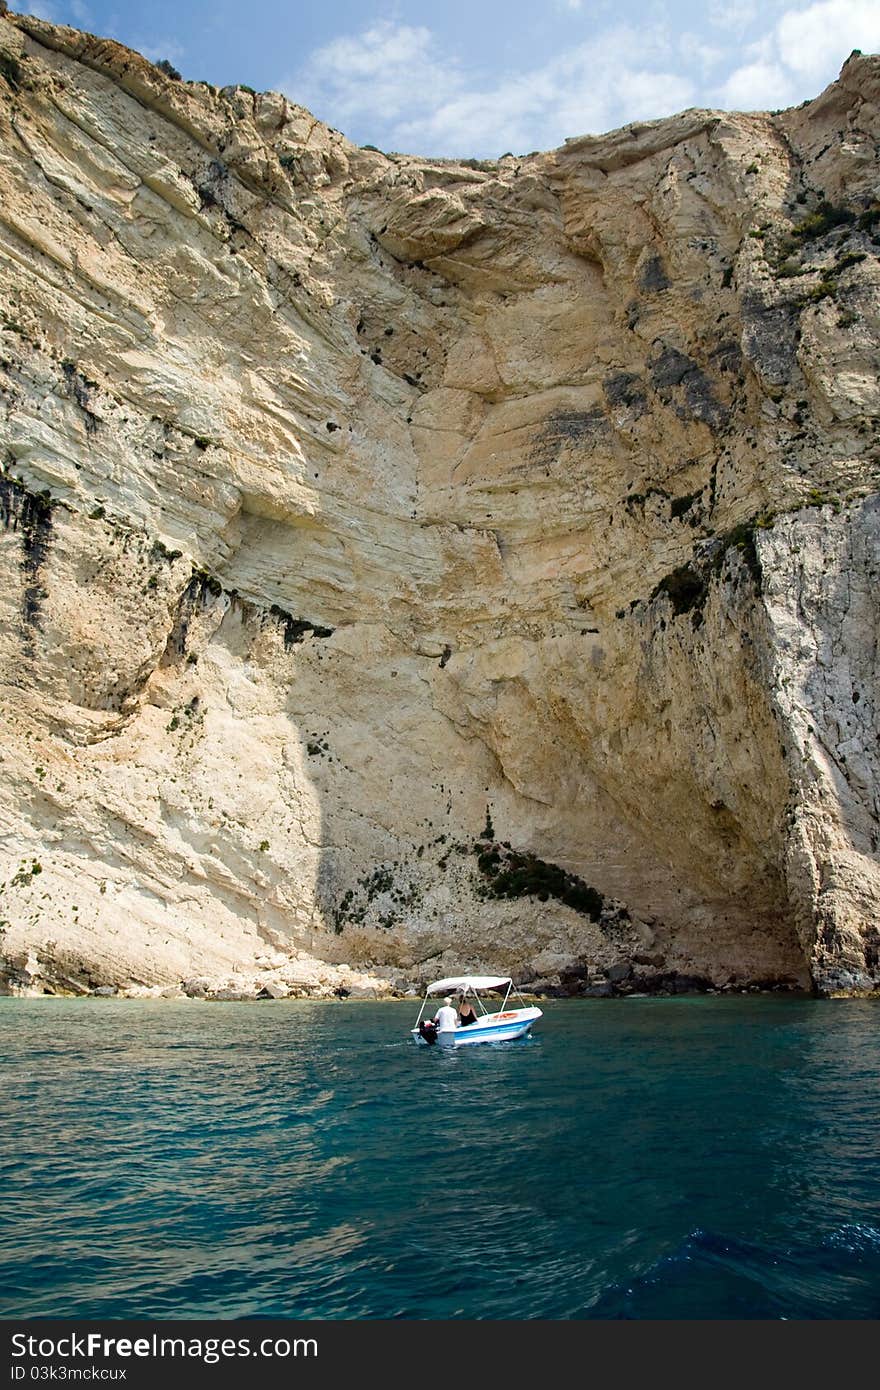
<point x="411" y="565"/>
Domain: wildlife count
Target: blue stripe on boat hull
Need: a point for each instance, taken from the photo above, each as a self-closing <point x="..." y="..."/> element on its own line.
<point x="492" y="1035"/>
<point x="467" y="1037"/>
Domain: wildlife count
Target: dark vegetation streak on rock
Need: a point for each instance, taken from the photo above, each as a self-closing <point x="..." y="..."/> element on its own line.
<point x="30" y="514"/>
<point x="566" y="427"/>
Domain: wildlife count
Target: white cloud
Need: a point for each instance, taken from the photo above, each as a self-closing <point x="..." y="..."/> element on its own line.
<point x="40" y="10"/>
<point x="698" y="54"/>
<point x="75" y="12"/>
<point x="169" y="49"/>
<point x="808" y="39"/>
<point x="596" y="7"/>
<point x="801" y="53"/>
<point x="398" y="83"/>
<point x="758" y="86"/>
<point x="734" y="15"/>
<point x="387" y="70"/>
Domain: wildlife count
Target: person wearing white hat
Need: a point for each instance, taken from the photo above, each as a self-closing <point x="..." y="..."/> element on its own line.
<point x="446" y="1019"/>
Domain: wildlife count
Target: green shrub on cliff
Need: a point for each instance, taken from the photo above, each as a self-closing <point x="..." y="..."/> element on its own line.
<point x="510" y="874"/>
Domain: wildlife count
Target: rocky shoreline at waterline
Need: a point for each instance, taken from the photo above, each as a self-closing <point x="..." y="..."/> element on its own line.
<point x="342" y="983"/>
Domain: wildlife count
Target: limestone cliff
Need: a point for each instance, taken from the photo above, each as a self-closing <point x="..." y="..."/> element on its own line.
<point x="410" y="563"/>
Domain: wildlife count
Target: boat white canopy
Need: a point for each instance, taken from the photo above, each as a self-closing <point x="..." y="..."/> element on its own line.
<point x="456" y="983"/>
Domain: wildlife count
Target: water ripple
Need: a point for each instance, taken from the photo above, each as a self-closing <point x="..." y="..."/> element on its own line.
<point x="650" y="1158"/>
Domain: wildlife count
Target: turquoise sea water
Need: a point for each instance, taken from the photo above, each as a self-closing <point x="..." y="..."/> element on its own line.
<point x="657" y="1158"/>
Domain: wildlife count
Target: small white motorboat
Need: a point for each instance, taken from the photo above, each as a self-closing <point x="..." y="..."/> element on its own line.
<point x="502" y="1025"/>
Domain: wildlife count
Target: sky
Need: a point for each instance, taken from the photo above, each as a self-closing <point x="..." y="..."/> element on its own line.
<point x="484" y="77"/>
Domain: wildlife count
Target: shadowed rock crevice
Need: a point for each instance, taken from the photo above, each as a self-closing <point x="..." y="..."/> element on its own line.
<point x="30" y="515"/>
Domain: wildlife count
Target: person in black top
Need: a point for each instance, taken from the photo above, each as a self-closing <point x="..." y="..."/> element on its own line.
<point x="466" y="1013"/>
